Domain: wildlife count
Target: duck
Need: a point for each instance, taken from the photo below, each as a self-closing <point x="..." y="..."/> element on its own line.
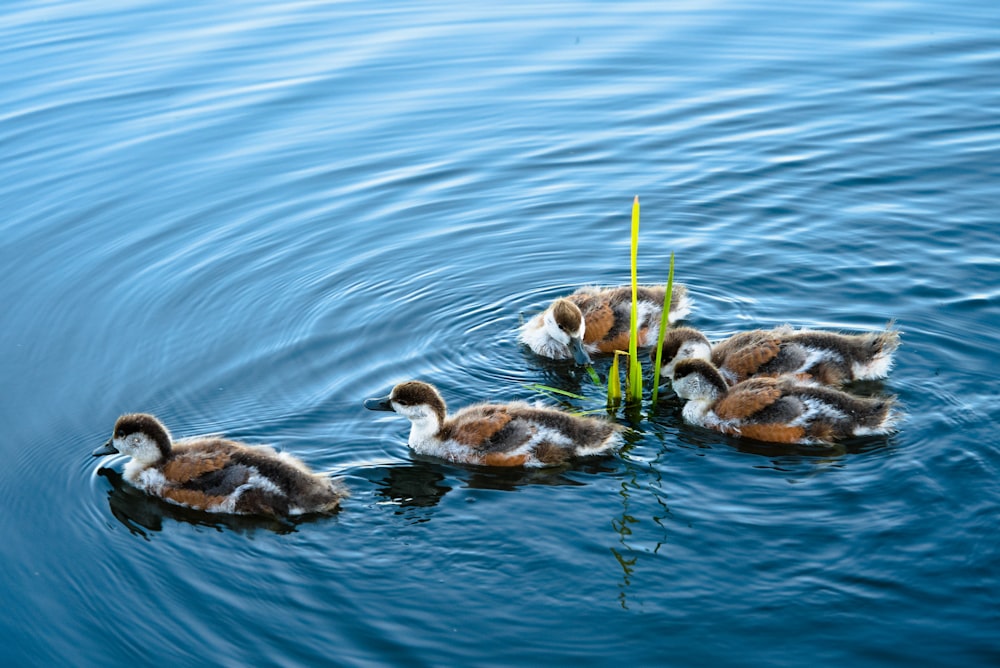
<point x="217" y="475"/>
<point x="495" y="434"/>
<point x="828" y="358"/>
<point x="596" y="320"/>
<point x="777" y="409"/>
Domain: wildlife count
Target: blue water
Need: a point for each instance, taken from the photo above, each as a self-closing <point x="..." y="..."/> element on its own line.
<point x="247" y="217"/>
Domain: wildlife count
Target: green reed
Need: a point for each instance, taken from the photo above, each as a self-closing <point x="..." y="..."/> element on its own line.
<point x="664" y="323"/>
<point x="633" y="377"/>
<point x="634" y="392"/>
<point x="615" y="382"/>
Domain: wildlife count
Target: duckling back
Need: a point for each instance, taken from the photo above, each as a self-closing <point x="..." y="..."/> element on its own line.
<point x="517" y="434"/>
<point x="777" y="409"/>
<point x="846" y="357"/>
<point x="216" y="475"/>
<point x="830" y="358"/>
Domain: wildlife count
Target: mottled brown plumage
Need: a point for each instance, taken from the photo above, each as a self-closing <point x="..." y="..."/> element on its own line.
<point x="746" y="399"/>
<point x="744" y="354"/>
<point x="779" y="409"/>
<point x="597" y="320"/>
<point x="511" y="434"/>
<point x="829" y="358"/>
<point x="607" y="313"/>
<point x="218" y="475"/>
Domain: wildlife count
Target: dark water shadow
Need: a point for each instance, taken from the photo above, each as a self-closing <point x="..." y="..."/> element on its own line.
<point x="417" y="485"/>
<point x="143" y="514"/>
<point x="423" y="482"/>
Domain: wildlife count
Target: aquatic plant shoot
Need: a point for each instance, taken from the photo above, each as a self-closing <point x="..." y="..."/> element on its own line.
<point x="664" y="323"/>
<point x="634" y="394"/>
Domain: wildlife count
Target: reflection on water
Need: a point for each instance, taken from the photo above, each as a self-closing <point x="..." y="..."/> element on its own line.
<point x="413" y="487"/>
<point x="422" y="483"/>
<point x="643" y="508"/>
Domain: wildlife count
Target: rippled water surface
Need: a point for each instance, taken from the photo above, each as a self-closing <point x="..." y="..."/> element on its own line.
<point x="247" y="217"/>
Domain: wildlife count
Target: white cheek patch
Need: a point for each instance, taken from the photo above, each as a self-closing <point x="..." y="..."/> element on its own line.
<point x="698" y="350"/>
<point x="418" y="412"/>
<point x="553" y="329"/>
<point x="139" y="448"/>
<point x="537" y="336"/>
<point x="689" y="350"/>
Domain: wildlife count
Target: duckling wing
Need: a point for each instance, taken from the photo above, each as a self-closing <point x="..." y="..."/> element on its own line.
<point x="747" y="398"/>
<point x="745" y="353"/>
<point x="512" y="436"/>
<point x="196" y="460"/>
<point x="202" y="475"/>
<point x="600" y="321"/>
<point x="221" y="482"/>
<point x="477" y="426"/>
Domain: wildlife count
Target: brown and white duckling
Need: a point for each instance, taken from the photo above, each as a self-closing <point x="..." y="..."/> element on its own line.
<point x="776" y="409"/>
<point x="218" y="475"/>
<point x="829" y="358"/>
<point x="596" y="320"/>
<point x="511" y="434"/>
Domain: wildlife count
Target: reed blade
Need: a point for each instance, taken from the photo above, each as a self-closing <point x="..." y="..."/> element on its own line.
<point x="614" y="383"/>
<point x="634" y="365"/>
<point x="538" y="387"/>
<point x="664" y="323"/>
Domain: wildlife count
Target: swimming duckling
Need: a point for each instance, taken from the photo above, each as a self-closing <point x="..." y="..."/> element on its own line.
<point x="776" y="409"/>
<point x="512" y="434"/>
<point x="829" y="358"/>
<point x="218" y="475"/>
<point x="596" y="320"/>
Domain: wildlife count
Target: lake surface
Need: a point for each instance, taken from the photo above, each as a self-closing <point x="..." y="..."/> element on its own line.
<point x="248" y="217"/>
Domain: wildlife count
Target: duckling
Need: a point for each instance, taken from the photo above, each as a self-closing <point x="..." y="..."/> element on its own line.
<point x="778" y="409"/>
<point x="218" y="475"/>
<point x="511" y="434"/>
<point x="596" y="320"/>
<point x="829" y="358"/>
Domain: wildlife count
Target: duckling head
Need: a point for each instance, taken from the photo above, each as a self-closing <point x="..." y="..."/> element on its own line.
<point x="420" y="402"/>
<point x="698" y="380"/>
<point x="564" y="322"/>
<point x="681" y="343"/>
<point x="140" y="436"/>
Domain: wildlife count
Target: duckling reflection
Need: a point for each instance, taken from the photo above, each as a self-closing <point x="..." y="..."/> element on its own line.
<point x="509" y="480"/>
<point x="419" y="485"/>
<point x="143" y="514"/>
<point x="424" y="483"/>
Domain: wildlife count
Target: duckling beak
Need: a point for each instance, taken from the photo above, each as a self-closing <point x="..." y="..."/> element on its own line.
<point x="379" y="404"/>
<point x="579" y="354"/>
<point x="106" y="449"/>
